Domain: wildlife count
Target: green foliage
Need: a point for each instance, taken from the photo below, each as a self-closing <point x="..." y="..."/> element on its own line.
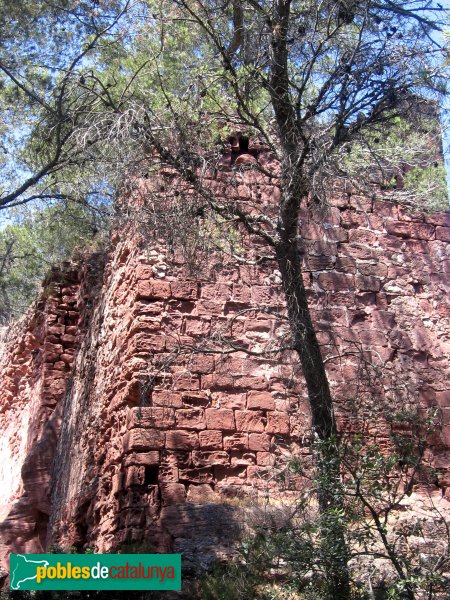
<point x="403" y="158"/>
<point x="374" y="485"/>
<point x="37" y="240"/>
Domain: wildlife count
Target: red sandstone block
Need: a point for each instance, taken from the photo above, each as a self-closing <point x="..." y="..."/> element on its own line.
<point x="220" y="418"/>
<point x="153" y="289"/>
<point x="143" y="272"/>
<point x="362" y="236"/>
<point x="134" y="476"/>
<point x="166" y="398"/>
<point x="56" y="330"/>
<point x="262" y="295"/>
<point x="185" y="381"/>
<point x="241" y="293"/>
<point x="420" y="231"/>
<point x="117" y="483"/>
<point x="347" y="264"/>
<point x="209" y="307"/>
<point x="190" y="418"/>
<point x="181" y="440"/>
<point x="443" y="398"/>
<point x="321" y="262"/>
<point x="336" y="234"/>
<point x="143" y="458"/>
<point x="361" y="203"/>
<point x="385" y="209"/>
<point x="353" y="218"/>
<point x="367" y="283"/>
<point x="258" y="326"/>
<point x="247" y="420"/>
<point x="54" y="386"/>
<point x="260" y="400"/>
<point x="147" y="308"/>
<point x="265" y="459"/>
<point x="251" y="383"/>
<point x="232" y="475"/>
<point x="446" y="416"/>
<point x="443" y="233"/>
<point x="151" y="416"/>
<point x="440" y="218"/>
<point x="216" y="381"/>
<point x="67" y="358"/>
<point x="237" y="441"/>
<point x="168" y="472"/>
<point x="201" y="494"/>
<point x="201" y="363"/>
<point x="232" y="366"/>
<point x="369" y="337"/>
<point x="445" y="436"/>
<point x="144" y="323"/>
<point x="216" y="291"/>
<point x="184" y="290"/>
<point x="197" y="326"/>
<point x="360" y="251"/>
<point x="197" y="475"/>
<point x="173" y="493"/>
<point x="195" y="399"/>
<point x="404" y="214"/>
<point x="340" y="199"/>
<point x="52" y="351"/>
<point x="277" y="423"/>
<point x="373" y="267"/>
<point x="143" y="439"/>
<point x="243" y="192"/>
<point x="256" y="474"/>
<point x="210" y="439"/>
<point x="259" y="442"/>
<point x="335" y="281"/>
<point x="320" y="247"/>
<point x="180" y="307"/>
<point x="312" y="231"/>
<point x="142" y="343"/>
<point x="202" y="459"/>
<point x="229" y="400"/>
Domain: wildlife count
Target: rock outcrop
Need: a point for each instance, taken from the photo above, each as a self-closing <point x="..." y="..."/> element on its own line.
<point x="139" y="393"/>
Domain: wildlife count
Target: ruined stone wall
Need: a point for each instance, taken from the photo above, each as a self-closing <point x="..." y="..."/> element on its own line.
<point x="158" y="426"/>
<point x="36" y="359"/>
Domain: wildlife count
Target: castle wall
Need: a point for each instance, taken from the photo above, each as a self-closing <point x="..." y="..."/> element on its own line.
<point x="178" y="395"/>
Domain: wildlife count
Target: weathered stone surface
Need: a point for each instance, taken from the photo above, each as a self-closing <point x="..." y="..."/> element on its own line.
<point x="173" y="493"/>
<point x="259" y="441"/>
<point x="210" y="439"/>
<point x="443" y="233"/>
<point x="220" y="418"/>
<point x="181" y="440"/>
<point x="277" y="422"/>
<point x="143" y="439"/>
<point x="190" y="418"/>
<point x="149" y="416"/>
<point x="335" y="281"/>
<point x="260" y="400"/>
<point x="153" y="289"/>
<point x="158" y="424"/>
<point x="143" y="458"/>
<point x="247" y="420"/>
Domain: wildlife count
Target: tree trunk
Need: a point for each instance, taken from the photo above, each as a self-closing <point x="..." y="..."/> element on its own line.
<point x="334" y="553"/>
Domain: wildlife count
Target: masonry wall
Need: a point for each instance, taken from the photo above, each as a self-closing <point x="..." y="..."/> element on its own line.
<point x="162" y="391"/>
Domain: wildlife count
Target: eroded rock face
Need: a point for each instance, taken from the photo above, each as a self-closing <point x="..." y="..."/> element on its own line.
<point x="121" y="420"/>
<point x="37" y="356"/>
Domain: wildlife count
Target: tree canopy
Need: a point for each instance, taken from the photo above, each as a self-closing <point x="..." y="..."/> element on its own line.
<point x="83" y="84"/>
